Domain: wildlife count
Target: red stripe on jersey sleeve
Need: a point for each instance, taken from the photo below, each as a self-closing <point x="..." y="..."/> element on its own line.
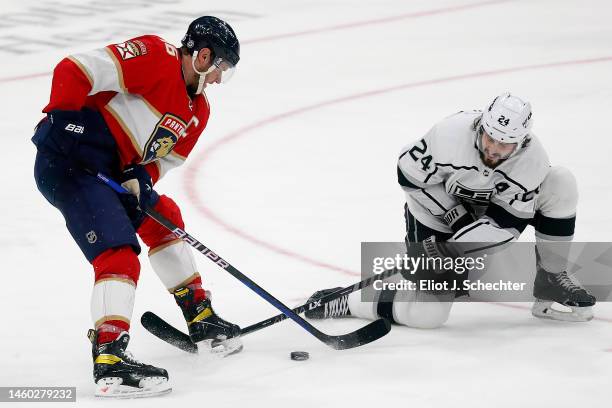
<point x="69" y="87"/>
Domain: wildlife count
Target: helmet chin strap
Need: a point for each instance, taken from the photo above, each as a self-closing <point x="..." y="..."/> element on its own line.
<point x="202" y="74"/>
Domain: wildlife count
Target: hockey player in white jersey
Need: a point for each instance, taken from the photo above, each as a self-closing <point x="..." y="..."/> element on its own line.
<point x="480" y="177"/>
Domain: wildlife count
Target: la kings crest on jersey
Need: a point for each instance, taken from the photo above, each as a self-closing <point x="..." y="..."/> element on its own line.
<point x="447" y="157"/>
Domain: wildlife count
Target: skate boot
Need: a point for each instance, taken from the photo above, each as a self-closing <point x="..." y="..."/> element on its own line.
<point x="205" y="326"/>
<point x="118" y="374"/>
<point x="559" y="288"/>
<point x="333" y="309"/>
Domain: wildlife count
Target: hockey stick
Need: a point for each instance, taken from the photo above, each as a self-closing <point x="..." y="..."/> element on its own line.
<point x="364" y="335"/>
<point x="170" y="334"/>
<point x="325" y="299"/>
<point x="166" y="332"/>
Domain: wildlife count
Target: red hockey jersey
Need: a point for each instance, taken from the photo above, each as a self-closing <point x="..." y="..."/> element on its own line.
<point x="138" y="88"/>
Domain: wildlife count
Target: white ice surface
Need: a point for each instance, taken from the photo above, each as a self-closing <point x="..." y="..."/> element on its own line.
<point x="299" y="155"/>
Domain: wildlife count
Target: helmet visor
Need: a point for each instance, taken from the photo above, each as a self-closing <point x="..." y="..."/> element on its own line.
<point x="224" y="69"/>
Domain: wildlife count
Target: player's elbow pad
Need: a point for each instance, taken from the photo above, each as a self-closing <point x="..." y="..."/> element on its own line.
<point x="407" y="185"/>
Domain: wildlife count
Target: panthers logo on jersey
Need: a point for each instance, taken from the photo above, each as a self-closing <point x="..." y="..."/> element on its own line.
<point x="164" y="137"/>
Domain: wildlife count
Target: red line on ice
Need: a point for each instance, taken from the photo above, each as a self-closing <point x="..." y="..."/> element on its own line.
<point x="383" y="20"/>
<point x="345" y="26"/>
<point x="192" y="170"/>
<point x="24" y="77"/>
<point x="195" y="165"/>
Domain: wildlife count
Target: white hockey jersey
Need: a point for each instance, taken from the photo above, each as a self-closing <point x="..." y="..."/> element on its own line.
<point x="444" y="169"/>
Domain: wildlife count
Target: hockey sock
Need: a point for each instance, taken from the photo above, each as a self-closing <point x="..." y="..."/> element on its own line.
<point x="110" y="330"/>
<point x="385" y="304"/>
<point x="171" y="258"/>
<point x="195" y="287"/>
<point x="380" y="305"/>
<point x="112" y="300"/>
<point x="555" y="219"/>
<point x="174" y="265"/>
<point x="358" y="308"/>
<point x="422" y="310"/>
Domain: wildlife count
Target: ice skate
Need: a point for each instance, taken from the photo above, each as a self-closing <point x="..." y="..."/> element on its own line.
<point x="576" y="304"/>
<point x="118" y="374"/>
<point x="206" y="327"/>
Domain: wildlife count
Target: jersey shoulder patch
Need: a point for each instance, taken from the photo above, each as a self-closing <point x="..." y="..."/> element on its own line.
<point x="130" y="49"/>
<point x="149" y="48"/>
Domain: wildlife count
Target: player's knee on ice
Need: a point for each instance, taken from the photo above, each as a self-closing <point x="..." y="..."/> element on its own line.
<point x="558" y="196"/>
<point x="416" y="309"/>
<point x="422" y="310"/>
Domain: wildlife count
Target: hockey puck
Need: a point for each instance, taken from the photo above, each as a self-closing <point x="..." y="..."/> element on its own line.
<point x="300" y="355"/>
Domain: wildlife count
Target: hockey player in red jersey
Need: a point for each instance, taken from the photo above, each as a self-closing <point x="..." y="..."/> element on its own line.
<point x="133" y="110"/>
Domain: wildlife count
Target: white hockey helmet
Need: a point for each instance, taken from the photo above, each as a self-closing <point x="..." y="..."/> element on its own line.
<point x="507" y="119"/>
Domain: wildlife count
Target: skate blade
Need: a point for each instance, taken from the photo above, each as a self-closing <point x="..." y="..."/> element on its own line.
<point x="150" y="387"/>
<point x="224" y="348"/>
<point x="544" y="309"/>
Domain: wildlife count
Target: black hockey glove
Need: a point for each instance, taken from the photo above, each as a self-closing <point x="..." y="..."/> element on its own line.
<point x="458" y="217"/>
<point x="435" y="249"/>
<point x="138" y="182"/>
<point x="66" y="128"/>
<point x="437" y="267"/>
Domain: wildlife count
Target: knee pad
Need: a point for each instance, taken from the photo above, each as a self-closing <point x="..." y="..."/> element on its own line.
<point x="118" y="264"/>
<point x="152" y="233"/>
<point x="558" y="195"/>
<point x="422" y="310"/>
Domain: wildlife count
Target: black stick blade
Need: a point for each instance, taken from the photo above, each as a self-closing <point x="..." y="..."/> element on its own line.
<point x="365" y="335"/>
<point x="166" y="332"/>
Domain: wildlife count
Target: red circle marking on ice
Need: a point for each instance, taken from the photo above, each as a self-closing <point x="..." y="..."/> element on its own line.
<point x="192" y="170"/>
<point x="384" y="20"/>
<point x="195" y="165"/>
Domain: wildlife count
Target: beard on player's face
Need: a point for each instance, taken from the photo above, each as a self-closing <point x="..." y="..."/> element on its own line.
<point x="492" y="152"/>
<point x="191" y="90"/>
<point x="489" y="161"/>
